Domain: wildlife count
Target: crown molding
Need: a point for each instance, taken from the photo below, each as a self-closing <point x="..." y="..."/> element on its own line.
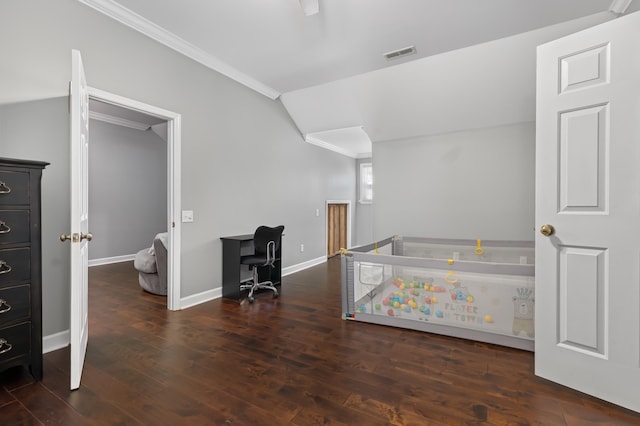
<point x="131" y="19"/>
<point x="118" y="121"/>
<point x="619" y="6"/>
<point x="326" y="145"/>
<point x="326" y="139"/>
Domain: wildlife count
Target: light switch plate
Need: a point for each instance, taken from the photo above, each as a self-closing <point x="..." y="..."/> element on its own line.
<point x="187" y="216"/>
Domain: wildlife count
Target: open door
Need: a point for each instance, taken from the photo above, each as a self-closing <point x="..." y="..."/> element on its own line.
<point x="79" y="236"/>
<point x="588" y="211"/>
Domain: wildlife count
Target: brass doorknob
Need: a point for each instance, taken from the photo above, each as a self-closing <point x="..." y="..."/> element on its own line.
<point x="547" y="230"/>
<point x="76" y="238"/>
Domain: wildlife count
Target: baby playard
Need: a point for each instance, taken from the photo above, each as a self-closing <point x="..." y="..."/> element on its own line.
<point x="472" y="289"/>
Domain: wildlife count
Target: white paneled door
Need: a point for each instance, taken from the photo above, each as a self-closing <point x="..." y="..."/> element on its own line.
<point x="79" y="236"/>
<point x="588" y="211"/>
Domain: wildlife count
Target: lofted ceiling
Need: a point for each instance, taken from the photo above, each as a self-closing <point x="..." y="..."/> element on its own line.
<point x="272" y="47"/>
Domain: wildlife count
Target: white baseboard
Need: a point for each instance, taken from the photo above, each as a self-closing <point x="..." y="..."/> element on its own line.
<point x="302" y="266"/>
<point x="55" y="341"/>
<point x="206" y="296"/>
<point x="115" y="259"/>
<point x="196" y="299"/>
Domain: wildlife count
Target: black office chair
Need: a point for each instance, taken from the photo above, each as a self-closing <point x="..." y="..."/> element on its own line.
<point x="266" y="243"/>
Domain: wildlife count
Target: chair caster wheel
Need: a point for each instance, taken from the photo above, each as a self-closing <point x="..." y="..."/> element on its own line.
<point x="250" y="299"/>
<point x="276" y="295"/>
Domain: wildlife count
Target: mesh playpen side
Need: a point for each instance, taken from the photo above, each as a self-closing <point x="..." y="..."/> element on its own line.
<point x="483" y="301"/>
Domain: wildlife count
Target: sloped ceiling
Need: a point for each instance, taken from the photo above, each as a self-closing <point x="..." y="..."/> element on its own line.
<point x="329" y="67"/>
<point x="274" y="43"/>
<point x="486" y="85"/>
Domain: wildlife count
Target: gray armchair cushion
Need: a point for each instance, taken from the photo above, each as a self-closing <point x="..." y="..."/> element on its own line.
<point x="145" y="262"/>
<point x="152" y="267"/>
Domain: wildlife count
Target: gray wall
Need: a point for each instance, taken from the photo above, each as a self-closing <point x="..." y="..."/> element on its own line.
<point x="468" y="184"/>
<point x="127" y="189"/>
<point x="39" y="130"/>
<point x="243" y="161"/>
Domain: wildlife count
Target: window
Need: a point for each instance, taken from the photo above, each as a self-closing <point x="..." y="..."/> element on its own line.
<point x="366" y="183"/>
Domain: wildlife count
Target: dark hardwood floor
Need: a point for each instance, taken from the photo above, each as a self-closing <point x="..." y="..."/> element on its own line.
<point x="282" y="361"/>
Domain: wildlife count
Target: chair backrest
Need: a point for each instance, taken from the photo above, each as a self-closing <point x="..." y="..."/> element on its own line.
<point x="264" y="235"/>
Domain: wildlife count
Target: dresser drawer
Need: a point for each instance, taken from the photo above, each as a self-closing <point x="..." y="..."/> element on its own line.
<point x="15" y="265"/>
<point x="15" y="304"/>
<point x="14" y="188"/>
<point x="15" y="341"/>
<point x="14" y="226"/>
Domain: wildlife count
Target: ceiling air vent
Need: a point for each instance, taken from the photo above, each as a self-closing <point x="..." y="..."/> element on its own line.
<point x="396" y="54"/>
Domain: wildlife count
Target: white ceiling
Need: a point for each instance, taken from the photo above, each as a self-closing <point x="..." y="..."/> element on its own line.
<point x="272" y="47"/>
<point x="273" y="42"/>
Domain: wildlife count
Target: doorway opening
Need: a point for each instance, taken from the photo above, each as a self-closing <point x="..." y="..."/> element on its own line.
<point x="173" y="138"/>
<point x="338" y="226"/>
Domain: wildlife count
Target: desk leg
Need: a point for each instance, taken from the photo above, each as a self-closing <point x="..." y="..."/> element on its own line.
<point x="231" y="269"/>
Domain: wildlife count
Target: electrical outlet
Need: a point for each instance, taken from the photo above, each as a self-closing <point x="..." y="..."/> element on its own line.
<point x="301" y="248"/>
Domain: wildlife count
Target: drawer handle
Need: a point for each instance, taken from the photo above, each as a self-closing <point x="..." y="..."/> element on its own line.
<point x="4" y="268"/>
<point x="7" y="346"/>
<point x="4" y="189"/>
<point x="4" y="228"/>
<point x="8" y="306"/>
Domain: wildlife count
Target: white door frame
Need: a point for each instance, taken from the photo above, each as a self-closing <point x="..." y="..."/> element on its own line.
<point x="173" y="184"/>
<point x="326" y="223"/>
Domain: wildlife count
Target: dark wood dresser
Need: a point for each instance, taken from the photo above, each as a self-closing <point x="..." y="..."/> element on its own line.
<point x="20" y="265"/>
